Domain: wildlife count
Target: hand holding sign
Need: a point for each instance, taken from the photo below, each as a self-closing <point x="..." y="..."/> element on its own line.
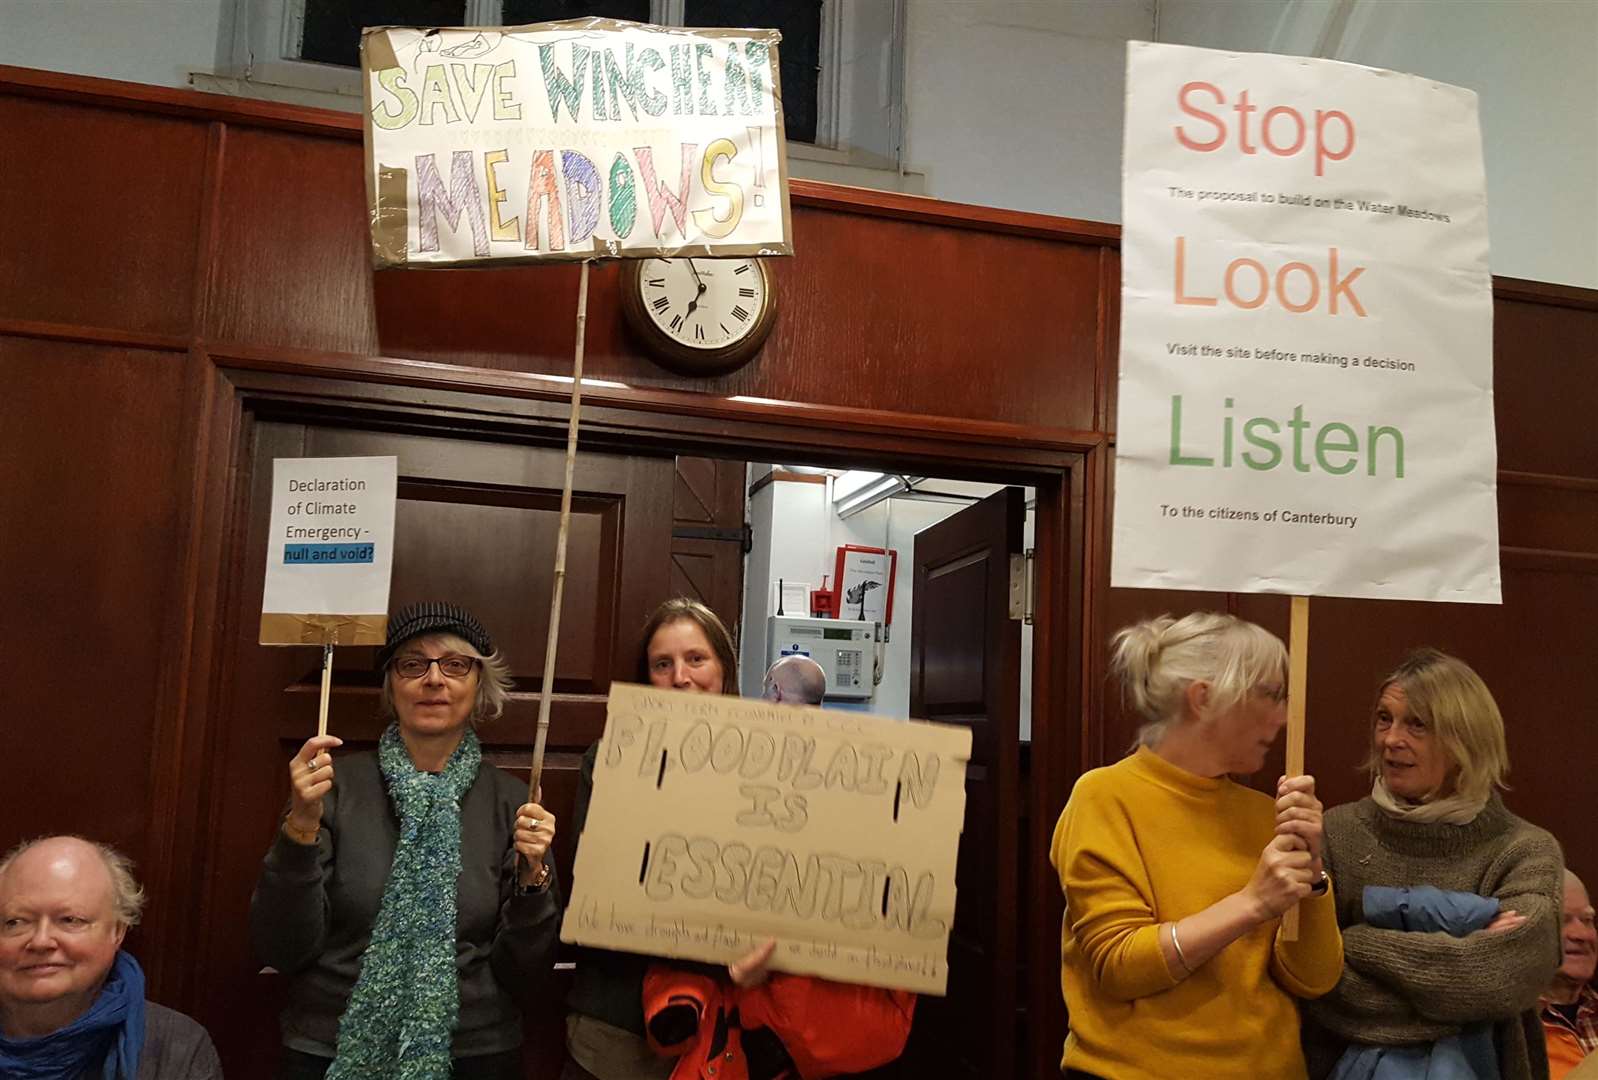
<point x="535" y="831"/>
<point x="1281" y="878"/>
<point x="310" y="778"/>
<point x="750" y="970"/>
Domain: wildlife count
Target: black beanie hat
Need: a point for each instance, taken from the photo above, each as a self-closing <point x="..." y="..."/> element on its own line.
<point x="433" y="617"/>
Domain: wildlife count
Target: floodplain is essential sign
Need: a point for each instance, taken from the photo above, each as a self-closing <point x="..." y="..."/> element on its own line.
<point x="717" y="823"/>
<point x="571" y="140"/>
<point x="1305" y="395"/>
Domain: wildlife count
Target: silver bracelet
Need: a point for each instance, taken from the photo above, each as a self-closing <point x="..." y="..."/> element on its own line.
<point x="1177" y="945"/>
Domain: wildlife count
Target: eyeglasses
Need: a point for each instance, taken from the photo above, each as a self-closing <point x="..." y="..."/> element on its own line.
<point x="414" y="667"/>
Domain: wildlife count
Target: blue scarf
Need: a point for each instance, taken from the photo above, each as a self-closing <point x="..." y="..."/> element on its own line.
<point x="404" y="1007"/>
<point x="111" y="1031"/>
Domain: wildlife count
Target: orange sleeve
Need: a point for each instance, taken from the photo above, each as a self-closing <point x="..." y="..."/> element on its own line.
<point x="830" y="1027"/>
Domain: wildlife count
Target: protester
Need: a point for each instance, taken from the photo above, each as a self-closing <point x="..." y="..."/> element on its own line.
<point x="795" y="680"/>
<point x="71" y="1001"/>
<point x="1569" y="1006"/>
<point x="1176" y="877"/>
<point x="706" y="1022"/>
<point x="409" y="900"/>
<point x="1435" y="1004"/>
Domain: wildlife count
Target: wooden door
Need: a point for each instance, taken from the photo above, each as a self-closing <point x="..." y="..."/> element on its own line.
<point x="708" y="537"/>
<point x="965" y="656"/>
<point x="475" y="524"/>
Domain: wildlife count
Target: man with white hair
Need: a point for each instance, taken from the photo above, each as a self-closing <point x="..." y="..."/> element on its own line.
<point x="795" y="680"/>
<point x="1570" y="1005"/>
<point x="71" y="1001"/>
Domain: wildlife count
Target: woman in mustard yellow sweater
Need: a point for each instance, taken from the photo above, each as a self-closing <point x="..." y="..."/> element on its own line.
<point x="1176" y="877"/>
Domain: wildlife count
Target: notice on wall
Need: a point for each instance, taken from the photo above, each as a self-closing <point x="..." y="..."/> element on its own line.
<point x="571" y="140"/>
<point x="1305" y="397"/>
<point x="329" y="551"/>
<point x="717" y="823"/>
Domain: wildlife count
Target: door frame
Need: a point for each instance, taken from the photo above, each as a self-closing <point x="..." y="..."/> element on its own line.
<point x="1065" y="468"/>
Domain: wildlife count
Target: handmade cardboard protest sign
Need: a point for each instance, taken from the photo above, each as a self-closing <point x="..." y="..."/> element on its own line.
<point x="329" y="551"/>
<point x="1305" y="397"/>
<point x="717" y="823"/>
<point x="571" y="140"/>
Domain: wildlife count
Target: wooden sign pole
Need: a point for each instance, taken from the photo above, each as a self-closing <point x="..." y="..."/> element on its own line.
<point x="327" y="687"/>
<point x="1297" y="678"/>
<point x="537" y="772"/>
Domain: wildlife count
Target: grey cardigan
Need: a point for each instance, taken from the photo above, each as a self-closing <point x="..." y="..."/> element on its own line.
<point x="175" y="1048"/>
<point x="312" y="913"/>
<point x="1403" y="988"/>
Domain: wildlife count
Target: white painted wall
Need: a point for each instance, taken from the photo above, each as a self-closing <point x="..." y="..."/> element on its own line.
<point x="147" y="41"/>
<point x="796" y="534"/>
<point x="792" y="539"/>
<point x="1017" y="103"/>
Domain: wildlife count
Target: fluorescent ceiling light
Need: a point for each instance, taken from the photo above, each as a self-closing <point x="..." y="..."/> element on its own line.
<point x="855" y="491"/>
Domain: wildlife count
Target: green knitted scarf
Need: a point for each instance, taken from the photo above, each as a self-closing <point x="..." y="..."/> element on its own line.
<point x="404" y="1006"/>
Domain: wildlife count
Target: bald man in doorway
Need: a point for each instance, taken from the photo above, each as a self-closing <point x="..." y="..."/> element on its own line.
<point x="795" y="680"/>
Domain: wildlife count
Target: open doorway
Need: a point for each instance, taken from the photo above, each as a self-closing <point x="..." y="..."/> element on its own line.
<point x="913" y="594"/>
<point x="480" y="481"/>
<point x="804" y="521"/>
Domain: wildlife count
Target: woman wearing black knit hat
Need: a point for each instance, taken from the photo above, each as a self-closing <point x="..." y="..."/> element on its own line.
<point x="410" y="899"/>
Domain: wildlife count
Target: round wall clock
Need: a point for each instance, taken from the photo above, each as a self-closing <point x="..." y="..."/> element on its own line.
<point x="699" y="316"/>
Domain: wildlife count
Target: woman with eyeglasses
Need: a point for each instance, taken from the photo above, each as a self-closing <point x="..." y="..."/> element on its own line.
<point x="409" y="900"/>
<point x="1176" y="877"/>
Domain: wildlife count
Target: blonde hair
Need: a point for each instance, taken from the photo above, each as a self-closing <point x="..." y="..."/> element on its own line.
<point x="493" y="682"/>
<point x="1158" y="659"/>
<point x="127" y="895"/>
<point x="1455" y="703"/>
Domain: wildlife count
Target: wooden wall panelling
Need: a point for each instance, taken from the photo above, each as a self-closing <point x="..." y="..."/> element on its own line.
<point x="1548" y="513"/>
<point x="1062" y="525"/>
<point x="92" y="496"/>
<point x="664" y="421"/>
<point x="292" y="265"/>
<point x="182" y="756"/>
<point x="936" y="307"/>
<point x="1109" y="366"/>
<point x="941" y="303"/>
<point x="101" y="208"/>
<point x="1545" y="379"/>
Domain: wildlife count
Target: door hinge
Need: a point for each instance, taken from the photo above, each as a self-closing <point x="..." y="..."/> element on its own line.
<point x="1022" y="584"/>
<point x="743" y="536"/>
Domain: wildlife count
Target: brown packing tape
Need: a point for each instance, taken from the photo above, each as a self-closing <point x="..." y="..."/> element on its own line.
<point x="389" y="220"/>
<point x="377" y="52"/>
<point x="279" y="628"/>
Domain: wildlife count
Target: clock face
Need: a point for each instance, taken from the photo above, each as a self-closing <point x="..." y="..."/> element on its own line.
<point x="703" y="304"/>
